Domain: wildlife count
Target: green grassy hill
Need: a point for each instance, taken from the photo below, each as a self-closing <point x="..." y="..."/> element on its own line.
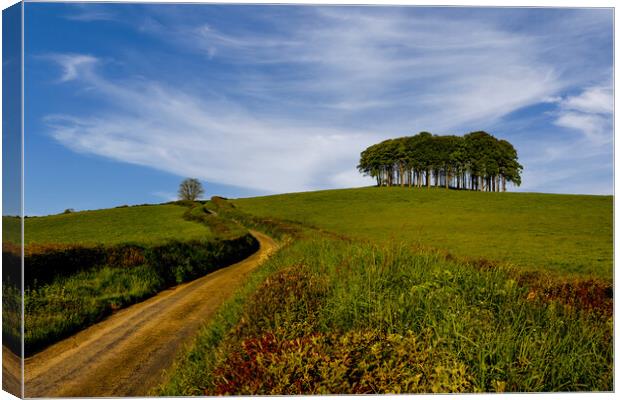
<point x="362" y="313"/>
<point x="81" y="266"/>
<point x="11" y="229"/>
<point x="138" y="224"/>
<point x="563" y="233"/>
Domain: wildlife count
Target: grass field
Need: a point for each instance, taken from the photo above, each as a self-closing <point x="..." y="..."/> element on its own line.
<point x="334" y="315"/>
<point x="569" y="234"/>
<point x="108" y="259"/>
<point x="11" y="229"/>
<point x="138" y="224"/>
<point x="374" y="308"/>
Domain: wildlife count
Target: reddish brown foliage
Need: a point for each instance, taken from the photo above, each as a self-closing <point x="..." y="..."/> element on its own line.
<point x="582" y="294"/>
<point x="290" y="291"/>
<point x="590" y="295"/>
<point x="355" y="362"/>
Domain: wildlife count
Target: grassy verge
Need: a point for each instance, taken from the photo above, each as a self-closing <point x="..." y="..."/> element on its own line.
<point x="563" y="234"/>
<point x="334" y="315"/>
<point x="69" y="304"/>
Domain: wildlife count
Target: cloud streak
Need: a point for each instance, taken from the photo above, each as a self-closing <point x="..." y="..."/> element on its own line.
<point x="73" y="65"/>
<point x="299" y="98"/>
<point x="220" y="142"/>
<point x="590" y="113"/>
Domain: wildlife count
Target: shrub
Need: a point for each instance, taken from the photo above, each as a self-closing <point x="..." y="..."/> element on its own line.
<point x="178" y="261"/>
<point x="11" y="316"/>
<point x="11" y="296"/>
<point x="293" y="294"/>
<point x="221" y="227"/>
<point x="43" y="263"/>
<point x="354" y="362"/>
<point x="184" y="203"/>
<point x="11" y="263"/>
<point x="282" y="230"/>
<point x="221" y="202"/>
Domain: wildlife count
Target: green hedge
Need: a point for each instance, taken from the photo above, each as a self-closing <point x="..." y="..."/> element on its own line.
<point x="55" y="275"/>
<point x="59" y="308"/>
<point x="274" y="227"/>
<point x="44" y="265"/>
<point x="177" y="261"/>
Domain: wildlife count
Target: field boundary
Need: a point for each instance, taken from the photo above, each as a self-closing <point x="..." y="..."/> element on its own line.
<point x="170" y="263"/>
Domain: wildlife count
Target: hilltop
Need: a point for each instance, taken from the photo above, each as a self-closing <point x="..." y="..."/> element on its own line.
<point x="140" y="224"/>
<point x="568" y="234"/>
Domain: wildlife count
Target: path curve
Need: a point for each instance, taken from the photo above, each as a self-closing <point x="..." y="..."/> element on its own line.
<point x="127" y="353"/>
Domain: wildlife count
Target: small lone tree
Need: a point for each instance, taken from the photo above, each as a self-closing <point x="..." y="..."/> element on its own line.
<point x="190" y="189"/>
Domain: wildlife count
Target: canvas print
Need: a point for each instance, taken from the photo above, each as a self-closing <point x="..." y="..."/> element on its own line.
<point x="232" y="199"/>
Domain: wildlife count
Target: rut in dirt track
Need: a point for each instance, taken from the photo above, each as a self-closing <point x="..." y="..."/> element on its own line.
<point x="126" y="354"/>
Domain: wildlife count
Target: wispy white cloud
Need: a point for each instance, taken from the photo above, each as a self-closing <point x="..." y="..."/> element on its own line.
<point x="169" y="130"/>
<point x="90" y="12"/>
<point x="299" y="101"/>
<point x="436" y="73"/>
<point x="593" y="100"/>
<point x="73" y="65"/>
<point x="590" y="113"/>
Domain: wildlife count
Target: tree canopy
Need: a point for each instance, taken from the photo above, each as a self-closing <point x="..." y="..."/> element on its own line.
<point x="476" y="161"/>
<point x="190" y="189"/>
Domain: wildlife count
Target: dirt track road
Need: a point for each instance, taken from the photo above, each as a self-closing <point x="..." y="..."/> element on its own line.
<point x="126" y="354"/>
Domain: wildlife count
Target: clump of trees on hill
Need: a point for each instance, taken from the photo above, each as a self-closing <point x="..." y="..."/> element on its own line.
<point x="476" y="161"/>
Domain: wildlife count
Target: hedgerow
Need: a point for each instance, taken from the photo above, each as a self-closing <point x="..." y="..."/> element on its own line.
<point x="69" y="287"/>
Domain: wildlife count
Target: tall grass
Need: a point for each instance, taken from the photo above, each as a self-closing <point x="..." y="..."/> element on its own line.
<point x="333" y="316"/>
<point x="68" y="304"/>
<point x="192" y="371"/>
<point x="11" y="316"/>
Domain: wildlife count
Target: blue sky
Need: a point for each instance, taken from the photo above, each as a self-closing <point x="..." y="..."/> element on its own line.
<point x="11" y="126"/>
<point x="124" y="100"/>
